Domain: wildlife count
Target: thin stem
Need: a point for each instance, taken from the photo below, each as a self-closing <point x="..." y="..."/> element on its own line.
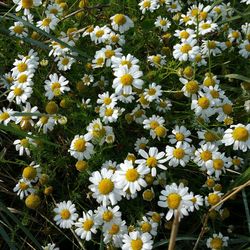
<point x="244" y="196"/>
<point x="174" y="231"/>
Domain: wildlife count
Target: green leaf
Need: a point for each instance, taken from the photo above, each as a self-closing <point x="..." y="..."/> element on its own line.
<point x="243" y="178"/>
<point x="6" y="238"/>
<point x="238" y="77"/>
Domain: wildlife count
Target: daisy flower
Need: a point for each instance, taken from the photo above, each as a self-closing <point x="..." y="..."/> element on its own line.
<point x="46" y="123"/>
<point x="64" y="63"/>
<point x="26" y="5"/>
<point x="126" y="78"/>
<point x="163" y="105"/>
<point x="157" y="60"/>
<point x="131" y="178"/>
<point x="207" y="27"/>
<point x="179" y="155"/>
<point x="54" y="9"/>
<point x="180" y="136"/>
<point x="32" y="172"/>
<point x="23" y="145"/>
<point x="19" y="30"/>
<point x="99" y="60"/>
<point x="114" y="232"/>
<point x="244" y="49"/>
<point x="48" y="23"/>
<point x="174" y="7"/>
<point x="65" y="214"/>
<point x="213" y="198"/>
<point x="110" y="165"/>
<point x="107" y="215"/>
<point x="153" y="122"/>
<point x="121" y="23"/>
<point x="87" y="79"/>
<point x="234" y="36"/>
<point x="217" y="242"/>
<point x="6" y="115"/>
<point x="163" y="23"/>
<point x="175" y="198"/>
<point x="107" y="100"/>
<point x="55" y="86"/>
<point x="141" y="143"/>
<point x="100" y="34"/>
<point x="25" y="79"/>
<point x="138" y="114"/>
<point x="153" y="92"/>
<point x="186" y="51"/>
<point x="20" y="93"/>
<point x="152" y="159"/>
<point x="137" y="241"/>
<point x="104" y="187"/>
<point x="209" y="136"/>
<point x="80" y="148"/>
<point x="109" y="52"/>
<point x="23" y="188"/>
<point x="197" y="201"/>
<point x="50" y="247"/>
<point x="24" y="65"/>
<point x="237" y="162"/>
<point x="148" y="226"/>
<point x="148" y="5"/>
<point x="190" y="88"/>
<point x="238" y="136"/>
<point x="185" y="34"/>
<point x="116" y="39"/>
<point x="210" y="47"/>
<point x="86" y="226"/>
<point x="128" y="60"/>
<point x="110" y="114"/>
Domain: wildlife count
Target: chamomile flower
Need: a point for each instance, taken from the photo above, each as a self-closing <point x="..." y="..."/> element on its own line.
<point x="116" y="39"/>
<point x="209" y="136"/>
<point x="65" y="214"/>
<point x="48" y="23"/>
<point x="26" y="5"/>
<point x="87" y="79"/>
<point x="207" y="27"/>
<point x="114" y="232"/>
<point x="110" y="165"/>
<point x="217" y="242"/>
<point x="50" y="247"/>
<point x="141" y="143"/>
<point x="6" y="115"/>
<point x="163" y="105"/>
<point x="237" y="162"/>
<point x="225" y="109"/>
<point x="179" y="155"/>
<point x="174" y="6"/>
<point x="109" y="52"/>
<point x="238" y="136"/>
<point x="153" y="92"/>
<point x="80" y="148"/>
<point x="23" y="65"/>
<point x="46" y="123"/>
<point x="197" y="201"/>
<point x="185" y="34"/>
<point x="210" y="47"/>
<point x="104" y="187"/>
<point x="55" y="86"/>
<point x="137" y="241"/>
<point x="23" y="145"/>
<point x="25" y="79"/>
<point x="99" y="60"/>
<point x="220" y="164"/>
<point x="153" y="122"/>
<point x="190" y="88"/>
<point x="148" y="226"/>
<point x="180" y="136"/>
<point x="109" y="114"/>
<point x="126" y="78"/>
<point x="186" y="51"/>
<point x="163" y="23"/>
<point x="100" y="34"/>
<point x="19" y="30"/>
<point x="107" y="215"/>
<point x="86" y="226"/>
<point x="175" y="198"/>
<point x="131" y="178"/>
<point x="152" y="159"/>
<point x="148" y="5"/>
<point x="234" y="36"/>
<point x="54" y="9"/>
<point x="64" y="63"/>
<point x="23" y="188"/>
<point x="245" y="49"/>
<point x="32" y="172"/>
<point x="121" y="23"/>
<point x="128" y="60"/>
<point x="213" y="199"/>
<point x="107" y="100"/>
<point x="19" y="93"/>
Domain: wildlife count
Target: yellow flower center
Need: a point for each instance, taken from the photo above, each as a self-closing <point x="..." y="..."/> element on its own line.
<point x="210" y="182"/>
<point x="178" y="153"/>
<point x="211" y="44"/>
<point x="136" y="244"/>
<point x="213" y="199"/>
<point x="194" y="200"/>
<point x="173" y="200"/>
<point x="55" y="86"/>
<point x="184" y="34"/>
<point x="218" y="164"/>
<point x="146" y="4"/>
<point x="227" y="108"/>
<point x="198" y="58"/>
<point x="160" y="131"/>
<point x="29" y="173"/>
<point x="151" y="91"/>
<point x="151" y="162"/>
<point x="46" y="22"/>
<point x="65" y="214"/>
<point x="100" y="61"/>
<point x="115" y="38"/>
<point x="4" y="116"/>
<point x="179" y="137"/>
<point x="22" y="78"/>
<point x="98" y="133"/>
<point x="107" y="216"/>
<point x="203" y="15"/>
<point x="228" y="44"/>
<point x="18" y="29"/>
<point x="206" y="155"/>
<point x="107" y="100"/>
<point x="87" y="224"/>
<point x="138" y="113"/>
<point x="99" y="33"/>
<point x="146" y="227"/>
<point x="54" y="11"/>
<point x="185" y="48"/>
<point x="236" y="161"/>
<point x="205" y="26"/>
<point x="23" y="185"/>
<point x="105" y="186"/>
<point x="209" y="136"/>
<point x="125" y="62"/>
<point x="132" y="175"/>
<point x="195" y="12"/>
<point x="240" y="134"/>
<point x="109" y="112"/>
<point x="24" y="143"/>
<point x="156" y="59"/>
<point x="27" y="4"/>
<point x="235" y="34"/>
<point x="109" y="53"/>
<point x="126" y="80"/>
<point x="247" y="47"/>
<point x="44" y="119"/>
<point x="209" y="81"/>
<point x="65" y="61"/>
<point x="148" y="195"/>
<point x="216" y="243"/>
<point x="17" y="91"/>
<point x="215" y="94"/>
<point x="163" y="22"/>
<point x="192" y="87"/>
<point x="80" y="145"/>
<point x="114" y="229"/>
<point x="156" y="217"/>
<point x="154" y="124"/>
<point x="119" y="19"/>
<point x="203" y="102"/>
